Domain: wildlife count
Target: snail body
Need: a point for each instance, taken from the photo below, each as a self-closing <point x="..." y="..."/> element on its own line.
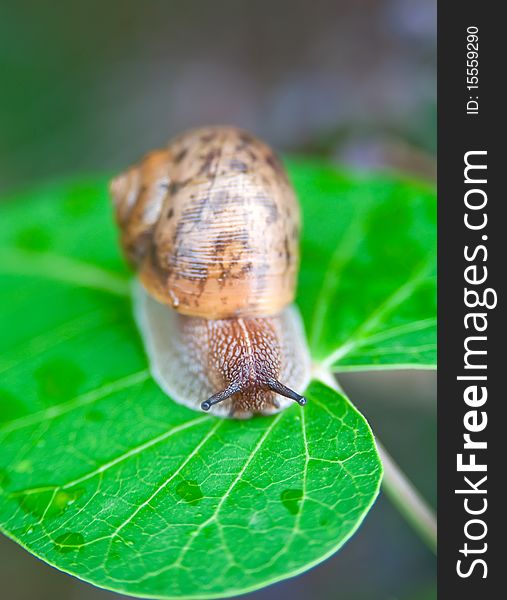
<point x="211" y="223"/>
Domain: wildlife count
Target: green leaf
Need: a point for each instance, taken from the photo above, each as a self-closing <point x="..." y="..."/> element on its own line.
<point x="367" y="287"/>
<point x="186" y="505"/>
<point x="106" y="478"/>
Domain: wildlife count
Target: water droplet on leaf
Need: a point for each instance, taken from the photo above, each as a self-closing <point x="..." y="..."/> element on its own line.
<point x="69" y="542"/>
<point x="34" y="503"/>
<point x="47" y="503"/>
<point x="189" y="491"/>
<point x="291" y="500"/>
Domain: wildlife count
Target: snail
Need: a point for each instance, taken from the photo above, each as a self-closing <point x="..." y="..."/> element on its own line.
<point x="211" y="223"/>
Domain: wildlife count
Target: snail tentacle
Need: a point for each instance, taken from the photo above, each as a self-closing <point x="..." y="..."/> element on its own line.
<point x="221" y="396"/>
<point x="275" y="386"/>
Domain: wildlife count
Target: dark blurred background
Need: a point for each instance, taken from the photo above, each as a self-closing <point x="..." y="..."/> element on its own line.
<point x="90" y="86"/>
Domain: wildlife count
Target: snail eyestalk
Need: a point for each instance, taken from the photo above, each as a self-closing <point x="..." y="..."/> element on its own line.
<point x="275" y="386"/>
<point x="220" y="396"/>
<point x="272" y="384"/>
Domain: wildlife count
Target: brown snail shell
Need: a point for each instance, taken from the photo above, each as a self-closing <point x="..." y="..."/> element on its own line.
<point x="212" y="223"/>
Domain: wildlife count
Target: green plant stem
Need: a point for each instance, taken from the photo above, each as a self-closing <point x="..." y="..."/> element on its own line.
<point x="407" y="499"/>
<point x="396" y="485"/>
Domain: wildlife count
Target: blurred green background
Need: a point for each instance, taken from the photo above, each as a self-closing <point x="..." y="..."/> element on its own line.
<point x="90" y="86"/>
